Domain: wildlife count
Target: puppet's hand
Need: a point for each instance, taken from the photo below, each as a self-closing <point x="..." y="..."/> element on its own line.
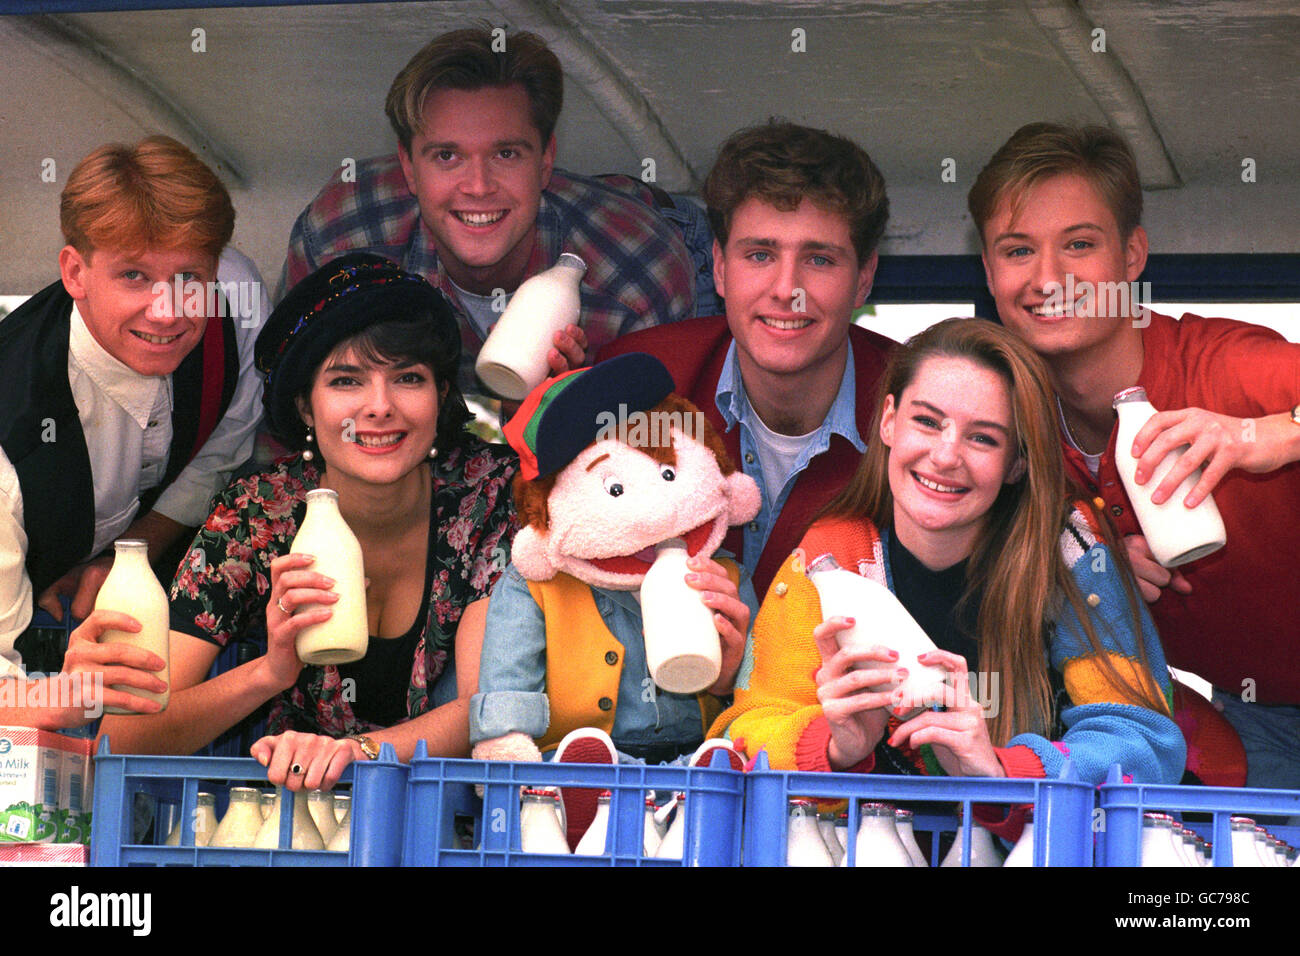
<point x="730" y="616"/>
<point x="513" y="746"/>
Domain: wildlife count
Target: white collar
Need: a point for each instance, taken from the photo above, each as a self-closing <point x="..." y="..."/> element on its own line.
<point x="136" y="394"/>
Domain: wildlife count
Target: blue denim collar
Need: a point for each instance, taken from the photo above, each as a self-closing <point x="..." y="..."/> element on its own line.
<point x="842" y="419"/>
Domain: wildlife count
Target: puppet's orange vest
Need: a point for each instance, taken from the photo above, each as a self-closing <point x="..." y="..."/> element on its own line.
<point x="584" y="661"/>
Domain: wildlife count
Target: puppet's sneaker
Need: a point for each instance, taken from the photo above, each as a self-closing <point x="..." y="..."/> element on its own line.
<point x="584" y="745"/>
<point x="703" y="756"/>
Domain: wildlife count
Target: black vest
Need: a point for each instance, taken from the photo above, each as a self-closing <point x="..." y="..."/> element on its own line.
<point x="36" y="405"/>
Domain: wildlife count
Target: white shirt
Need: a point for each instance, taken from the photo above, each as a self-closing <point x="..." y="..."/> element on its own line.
<point x="482" y="310"/>
<point x="126" y="418"/>
<point x="777" y="454"/>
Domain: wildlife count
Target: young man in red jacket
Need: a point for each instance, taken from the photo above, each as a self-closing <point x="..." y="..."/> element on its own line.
<point x="785" y="377"/>
<point x="1058" y="211"/>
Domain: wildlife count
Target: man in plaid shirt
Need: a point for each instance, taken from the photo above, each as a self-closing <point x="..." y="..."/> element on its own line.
<point x="473" y="203"/>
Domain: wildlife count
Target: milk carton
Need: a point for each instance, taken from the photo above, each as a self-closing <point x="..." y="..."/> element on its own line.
<point x="39" y="772"/>
<point x="74" y="791"/>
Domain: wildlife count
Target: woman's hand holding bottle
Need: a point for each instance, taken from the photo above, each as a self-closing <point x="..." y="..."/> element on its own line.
<point x="857" y="713"/>
<point x="958" y="735"/>
<point x="299" y="598"/>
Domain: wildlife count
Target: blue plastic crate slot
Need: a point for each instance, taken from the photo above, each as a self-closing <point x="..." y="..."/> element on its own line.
<point x="378" y="811"/>
<point x="1062" y="808"/>
<point x="1123" y="804"/>
<point x="441" y="791"/>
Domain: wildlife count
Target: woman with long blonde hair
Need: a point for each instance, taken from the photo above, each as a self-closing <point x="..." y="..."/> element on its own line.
<point x="960" y="507"/>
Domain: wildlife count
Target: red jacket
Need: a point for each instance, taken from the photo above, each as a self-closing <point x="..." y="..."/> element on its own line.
<point x="693" y="352"/>
<point x="1240" y="622"/>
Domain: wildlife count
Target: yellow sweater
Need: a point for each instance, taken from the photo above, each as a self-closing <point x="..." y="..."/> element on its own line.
<point x="778" y="699"/>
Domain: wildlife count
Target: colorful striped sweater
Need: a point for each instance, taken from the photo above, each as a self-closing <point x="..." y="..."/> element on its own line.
<point x="776" y="704"/>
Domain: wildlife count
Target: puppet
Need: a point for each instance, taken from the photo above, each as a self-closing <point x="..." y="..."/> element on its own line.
<point x="612" y="463"/>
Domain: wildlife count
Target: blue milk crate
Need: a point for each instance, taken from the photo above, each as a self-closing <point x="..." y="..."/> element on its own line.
<point x="441" y="794"/>
<point x="378" y="807"/>
<point x="1062" y="809"/>
<point x="1120" y="842"/>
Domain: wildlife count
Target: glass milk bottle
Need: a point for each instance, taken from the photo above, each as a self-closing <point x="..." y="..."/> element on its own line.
<point x="878" y="843"/>
<point x="653" y="833"/>
<point x="1262" y="849"/>
<point x="320" y="803"/>
<point x="541" y="829"/>
<point x="342" y="838"/>
<point x="512" y="361"/>
<point x="342" y="810"/>
<point x="826" y="826"/>
<point x="1022" y="854"/>
<point x="593" y="841"/>
<point x="205" y="822"/>
<point x="1158" y="846"/>
<point x="804" y="845"/>
<point x="305" y="836"/>
<point x="884" y="621"/>
<point x="982" y="851"/>
<point x="682" y="648"/>
<point x="324" y="534"/>
<point x="1176" y="534"/>
<point x="903" y="824"/>
<point x="268" y="802"/>
<point x="673" y="844"/>
<point x="1243" y="842"/>
<point x="238" y="828"/>
<point x="132" y="588"/>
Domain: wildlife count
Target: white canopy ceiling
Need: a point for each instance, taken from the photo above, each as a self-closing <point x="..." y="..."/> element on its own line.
<point x="280" y="96"/>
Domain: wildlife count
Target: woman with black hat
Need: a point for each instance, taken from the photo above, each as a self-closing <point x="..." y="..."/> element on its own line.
<point x="360" y="361"/>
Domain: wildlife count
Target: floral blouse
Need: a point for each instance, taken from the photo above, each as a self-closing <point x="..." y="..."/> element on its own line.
<point x="223" y="586"/>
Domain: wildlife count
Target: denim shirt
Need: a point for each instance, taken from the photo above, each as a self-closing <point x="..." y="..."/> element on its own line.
<point x="512" y="671"/>
<point x="732" y="404"/>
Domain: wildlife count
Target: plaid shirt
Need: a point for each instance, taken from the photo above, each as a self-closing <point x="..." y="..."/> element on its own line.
<point x="639" y="273"/>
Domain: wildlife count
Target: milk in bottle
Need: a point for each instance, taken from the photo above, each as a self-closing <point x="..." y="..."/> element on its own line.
<point x="804" y="844"/>
<point x="903" y="824"/>
<point x="321" y="805"/>
<point x="1175" y="533"/>
<point x="304" y="835"/>
<point x="982" y="851"/>
<point x="512" y="361"/>
<point x="682" y="648"/>
<point x="826" y="826"/>
<point x="541" y="829"/>
<point x="593" y="841"/>
<point x="205" y="822"/>
<point x="878" y="843"/>
<point x="1022" y="854"/>
<point x="881" y="619"/>
<point x="238" y="828"/>
<point x="131" y="588"/>
<point x="325" y="535"/>
<point x="1158" y="842"/>
<point x="653" y="833"/>
<point x="673" y="845"/>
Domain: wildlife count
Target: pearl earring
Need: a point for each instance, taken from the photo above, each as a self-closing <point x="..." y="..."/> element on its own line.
<point x="433" y="452"/>
<point x="307" y="453"/>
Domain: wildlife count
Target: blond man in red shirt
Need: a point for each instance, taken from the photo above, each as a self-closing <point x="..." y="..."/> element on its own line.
<point x="1058" y="209"/>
